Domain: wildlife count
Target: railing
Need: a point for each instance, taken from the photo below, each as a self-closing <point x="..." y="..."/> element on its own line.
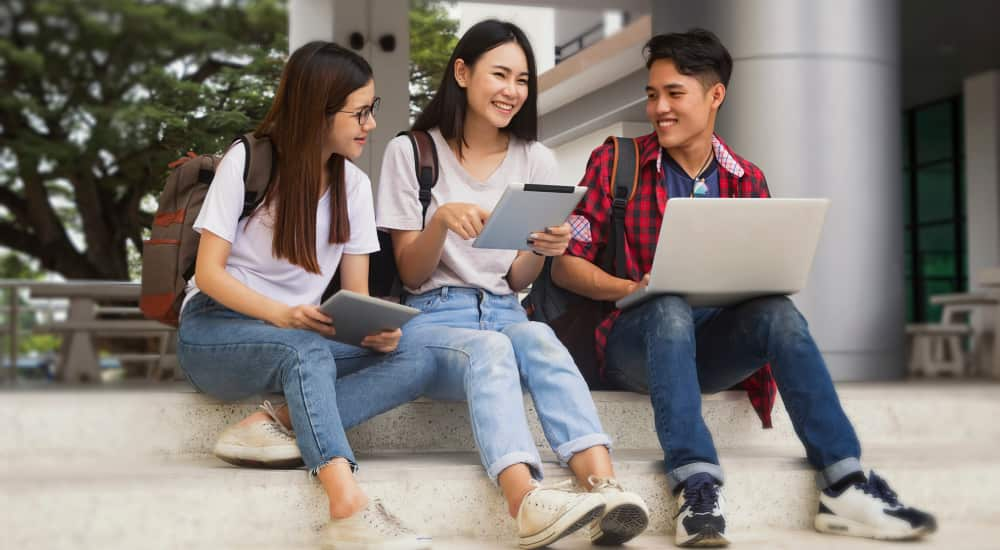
<point x="578" y="43"/>
<point x="86" y="318"/>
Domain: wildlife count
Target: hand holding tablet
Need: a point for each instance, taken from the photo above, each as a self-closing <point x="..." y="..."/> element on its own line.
<point x="357" y="316"/>
<point x="525" y="209"/>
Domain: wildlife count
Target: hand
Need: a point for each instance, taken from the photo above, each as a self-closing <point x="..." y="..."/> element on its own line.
<point x="383" y="342"/>
<point x="640" y="284"/>
<point x="464" y="219"/>
<point x="307" y="317"/>
<point x="551" y="242"/>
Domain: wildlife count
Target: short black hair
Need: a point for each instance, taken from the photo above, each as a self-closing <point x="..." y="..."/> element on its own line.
<point x="697" y="52"/>
<point x="446" y="110"/>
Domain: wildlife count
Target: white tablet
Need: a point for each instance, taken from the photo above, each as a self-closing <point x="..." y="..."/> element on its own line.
<point x="356" y="316"/>
<point x="525" y="208"/>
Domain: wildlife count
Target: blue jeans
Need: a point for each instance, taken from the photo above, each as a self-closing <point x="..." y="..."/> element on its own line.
<point x="329" y="386"/>
<point x="674" y="353"/>
<point x="485" y="349"/>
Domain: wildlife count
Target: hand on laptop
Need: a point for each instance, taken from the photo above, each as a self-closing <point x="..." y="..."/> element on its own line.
<point x="464" y="219"/>
<point x="552" y="241"/>
<point x="383" y="342"/>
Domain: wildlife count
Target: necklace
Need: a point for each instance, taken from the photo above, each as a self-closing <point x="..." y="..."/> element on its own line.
<point x="699" y="187"/>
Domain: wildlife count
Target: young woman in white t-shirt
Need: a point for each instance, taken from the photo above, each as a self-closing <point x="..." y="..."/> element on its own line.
<point x="483" y="120"/>
<point x="251" y="322"/>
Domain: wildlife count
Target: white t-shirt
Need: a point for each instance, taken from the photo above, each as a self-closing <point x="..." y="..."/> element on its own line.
<point x="250" y="260"/>
<point x="398" y="206"/>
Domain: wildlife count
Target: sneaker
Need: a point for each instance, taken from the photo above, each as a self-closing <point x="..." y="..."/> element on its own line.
<point x="625" y="514"/>
<point x="700" y="520"/>
<point x="267" y="444"/>
<point x="551" y="512"/>
<point x="871" y="509"/>
<point x="373" y="528"/>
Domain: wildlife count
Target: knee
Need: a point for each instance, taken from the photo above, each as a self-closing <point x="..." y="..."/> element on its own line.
<point x="669" y="318"/>
<point x="779" y="315"/>
<point x="303" y="357"/>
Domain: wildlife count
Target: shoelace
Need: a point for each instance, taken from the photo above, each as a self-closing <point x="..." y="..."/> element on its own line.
<point x="878" y="488"/>
<point x="601" y="483"/>
<point x="276" y="425"/>
<point x="702" y="497"/>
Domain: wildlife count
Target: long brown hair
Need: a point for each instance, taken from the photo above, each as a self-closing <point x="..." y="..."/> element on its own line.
<point x="315" y="84"/>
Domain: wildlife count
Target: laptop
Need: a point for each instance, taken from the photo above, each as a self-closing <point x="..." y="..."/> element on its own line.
<point x="719" y="252"/>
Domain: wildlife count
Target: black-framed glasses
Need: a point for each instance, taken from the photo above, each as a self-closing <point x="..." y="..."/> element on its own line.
<point x="366" y="112"/>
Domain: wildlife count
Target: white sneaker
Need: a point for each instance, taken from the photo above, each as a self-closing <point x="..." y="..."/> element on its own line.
<point x="625" y="514"/>
<point x="551" y="512"/>
<point x="267" y="444"/>
<point x="373" y="528"/>
<point x="871" y="509"/>
<point x="701" y="522"/>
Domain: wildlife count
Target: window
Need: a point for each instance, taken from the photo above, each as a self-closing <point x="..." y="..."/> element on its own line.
<point x="934" y="206"/>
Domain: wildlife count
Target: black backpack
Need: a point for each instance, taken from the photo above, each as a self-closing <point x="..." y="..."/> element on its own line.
<point x="383" y="277"/>
<point x="573" y="317"/>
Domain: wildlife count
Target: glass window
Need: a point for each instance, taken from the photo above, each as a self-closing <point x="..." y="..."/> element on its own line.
<point x="934" y="133"/>
<point x="935" y="193"/>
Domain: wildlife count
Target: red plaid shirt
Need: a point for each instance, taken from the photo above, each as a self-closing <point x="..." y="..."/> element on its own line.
<point x="738" y="178"/>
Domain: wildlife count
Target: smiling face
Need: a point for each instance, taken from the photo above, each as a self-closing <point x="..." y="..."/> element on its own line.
<point x="680" y="108"/>
<point x="344" y="135"/>
<point x="497" y="85"/>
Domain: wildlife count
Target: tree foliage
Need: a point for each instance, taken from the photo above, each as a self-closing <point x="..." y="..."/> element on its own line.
<point x="433" y="36"/>
<point x="97" y="96"/>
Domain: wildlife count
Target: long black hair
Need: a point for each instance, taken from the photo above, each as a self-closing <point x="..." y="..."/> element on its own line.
<point x="446" y="111"/>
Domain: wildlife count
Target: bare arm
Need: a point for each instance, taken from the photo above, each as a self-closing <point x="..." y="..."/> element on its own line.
<point x="526" y="267"/>
<point x="214" y="280"/>
<point x="418" y="253"/>
<point x="586" y="279"/>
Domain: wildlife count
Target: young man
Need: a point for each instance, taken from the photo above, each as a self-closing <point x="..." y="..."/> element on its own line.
<point x="675" y="353"/>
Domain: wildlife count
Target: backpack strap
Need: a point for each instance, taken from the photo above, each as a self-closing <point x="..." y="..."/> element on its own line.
<point x="425" y="164"/>
<point x="258" y="172"/>
<point x="624" y="181"/>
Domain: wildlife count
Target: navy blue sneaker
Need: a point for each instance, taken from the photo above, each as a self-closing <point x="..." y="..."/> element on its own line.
<point x="700" y="520"/>
<point x="871" y="509"/>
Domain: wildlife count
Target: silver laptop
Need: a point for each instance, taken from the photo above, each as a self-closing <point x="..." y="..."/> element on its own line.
<point x="718" y="252"/>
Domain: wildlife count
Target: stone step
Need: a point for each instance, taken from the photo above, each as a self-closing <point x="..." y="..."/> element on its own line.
<point x="72" y="502"/>
<point x="179" y="422"/>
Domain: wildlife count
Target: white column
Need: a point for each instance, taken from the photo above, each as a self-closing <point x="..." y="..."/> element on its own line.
<point x="981" y="97"/>
<point x="309" y="20"/>
<point x="814" y="100"/>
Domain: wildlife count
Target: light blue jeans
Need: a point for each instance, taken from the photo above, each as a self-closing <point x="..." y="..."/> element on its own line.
<point x="486" y="350"/>
<point x="329" y="386"/>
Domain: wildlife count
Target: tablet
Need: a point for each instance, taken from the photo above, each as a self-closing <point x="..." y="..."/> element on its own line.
<point x="357" y="315"/>
<point x="525" y="208"/>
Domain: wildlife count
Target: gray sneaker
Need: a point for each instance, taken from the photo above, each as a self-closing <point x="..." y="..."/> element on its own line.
<point x="373" y="528"/>
<point x="267" y="444"/>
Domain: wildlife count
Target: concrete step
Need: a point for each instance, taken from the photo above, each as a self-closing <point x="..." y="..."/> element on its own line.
<point x="179" y="422"/>
<point x="72" y="502"/>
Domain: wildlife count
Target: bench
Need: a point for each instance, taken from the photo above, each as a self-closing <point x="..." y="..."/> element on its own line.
<point x="937" y="349"/>
<point x="86" y="319"/>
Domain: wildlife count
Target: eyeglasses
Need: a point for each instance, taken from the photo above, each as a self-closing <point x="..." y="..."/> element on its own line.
<point x="366" y="112"/>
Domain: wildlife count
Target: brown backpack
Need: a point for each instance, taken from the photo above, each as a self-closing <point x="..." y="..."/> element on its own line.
<point x="168" y="256"/>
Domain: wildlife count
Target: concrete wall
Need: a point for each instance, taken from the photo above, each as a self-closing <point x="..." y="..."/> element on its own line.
<point x="981" y="98"/>
<point x="537" y="23"/>
<point x="573" y="155"/>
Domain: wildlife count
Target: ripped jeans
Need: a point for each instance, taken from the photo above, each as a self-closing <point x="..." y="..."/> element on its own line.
<point x="486" y="350"/>
<point x="329" y="386"/>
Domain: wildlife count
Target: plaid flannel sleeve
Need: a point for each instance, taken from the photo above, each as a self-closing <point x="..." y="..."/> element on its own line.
<point x="590" y="219"/>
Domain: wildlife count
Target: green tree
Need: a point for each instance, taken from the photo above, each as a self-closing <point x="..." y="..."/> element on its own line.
<point x="97" y="96"/>
<point x="15" y="266"/>
<point x="433" y="36"/>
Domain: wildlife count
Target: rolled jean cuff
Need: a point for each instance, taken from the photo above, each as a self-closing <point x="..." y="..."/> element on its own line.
<point x="533" y="462"/>
<point x="837" y="471"/>
<point x="677" y="476"/>
<point x="354" y="465"/>
<point x="566" y="451"/>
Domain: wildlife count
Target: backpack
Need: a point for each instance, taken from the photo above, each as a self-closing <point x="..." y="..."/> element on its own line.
<point x="383" y="276"/>
<point x="168" y="256"/>
<point x="168" y="259"/>
<point x="573" y="317"/>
